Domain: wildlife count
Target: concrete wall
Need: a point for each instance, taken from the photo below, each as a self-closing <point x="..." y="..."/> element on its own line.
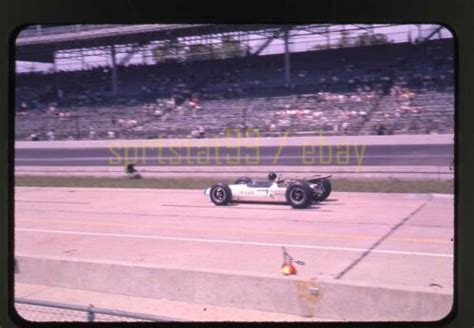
<point x="419" y="139"/>
<point x="329" y="299"/>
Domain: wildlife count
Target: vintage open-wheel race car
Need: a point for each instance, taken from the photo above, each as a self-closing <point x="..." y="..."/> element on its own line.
<point x="298" y="192"/>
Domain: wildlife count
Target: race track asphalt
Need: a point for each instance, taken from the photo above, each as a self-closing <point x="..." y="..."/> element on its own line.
<point x="403" y="242"/>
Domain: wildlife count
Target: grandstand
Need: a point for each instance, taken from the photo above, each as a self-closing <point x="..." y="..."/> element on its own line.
<point x="387" y="87"/>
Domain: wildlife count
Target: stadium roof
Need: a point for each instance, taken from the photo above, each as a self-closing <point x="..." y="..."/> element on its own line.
<point x="69" y="33"/>
<point x="39" y="43"/>
<point x="51" y="39"/>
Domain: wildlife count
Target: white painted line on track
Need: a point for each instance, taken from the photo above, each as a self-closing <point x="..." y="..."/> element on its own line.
<point x="236" y="242"/>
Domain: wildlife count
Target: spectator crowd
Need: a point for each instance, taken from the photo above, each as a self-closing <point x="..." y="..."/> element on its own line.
<point x="392" y="88"/>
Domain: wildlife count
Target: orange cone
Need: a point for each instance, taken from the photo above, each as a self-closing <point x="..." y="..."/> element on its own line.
<point x="288" y="269"/>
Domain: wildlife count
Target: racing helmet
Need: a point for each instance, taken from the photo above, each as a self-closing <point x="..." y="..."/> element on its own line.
<point x="272" y="176"/>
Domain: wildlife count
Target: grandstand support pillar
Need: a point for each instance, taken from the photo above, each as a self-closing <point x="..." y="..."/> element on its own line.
<point x="83" y="61"/>
<point x="419" y="33"/>
<point x="114" y="70"/>
<point x="328" y="37"/>
<point x="144" y="54"/>
<point x="55" y="64"/>
<point x="287" y="58"/>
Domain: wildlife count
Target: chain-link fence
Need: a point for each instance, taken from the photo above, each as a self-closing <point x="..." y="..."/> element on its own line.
<point x="37" y="310"/>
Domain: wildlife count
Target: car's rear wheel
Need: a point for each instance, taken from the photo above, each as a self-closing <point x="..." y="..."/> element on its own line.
<point x="299" y="195"/>
<point x="221" y="194"/>
<point x="324" y="190"/>
<point x="243" y="180"/>
<point x="327" y="188"/>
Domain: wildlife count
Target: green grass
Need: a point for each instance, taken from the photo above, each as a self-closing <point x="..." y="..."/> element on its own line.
<point x="356" y="185"/>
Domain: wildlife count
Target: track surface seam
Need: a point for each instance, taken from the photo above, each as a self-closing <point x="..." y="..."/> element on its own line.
<point x="378" y="242"/>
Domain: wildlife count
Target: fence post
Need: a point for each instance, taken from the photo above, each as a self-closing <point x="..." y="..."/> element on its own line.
<point x="90" y="313"/>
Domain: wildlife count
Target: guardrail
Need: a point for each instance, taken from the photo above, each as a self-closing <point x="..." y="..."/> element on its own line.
<point x="39" y="310"/>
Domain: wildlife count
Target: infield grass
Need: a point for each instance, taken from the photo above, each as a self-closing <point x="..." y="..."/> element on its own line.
<point x="354" y="185"/>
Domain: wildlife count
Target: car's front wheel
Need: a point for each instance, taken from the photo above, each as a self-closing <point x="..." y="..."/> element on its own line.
<point x="299" y="195"/>
<point x="221" y="194"/>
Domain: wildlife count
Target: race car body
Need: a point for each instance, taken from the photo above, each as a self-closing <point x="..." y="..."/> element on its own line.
<point x="299" y="192"/>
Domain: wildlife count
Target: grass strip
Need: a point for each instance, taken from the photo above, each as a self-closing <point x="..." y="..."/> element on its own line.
<point x="356" y="185"/>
